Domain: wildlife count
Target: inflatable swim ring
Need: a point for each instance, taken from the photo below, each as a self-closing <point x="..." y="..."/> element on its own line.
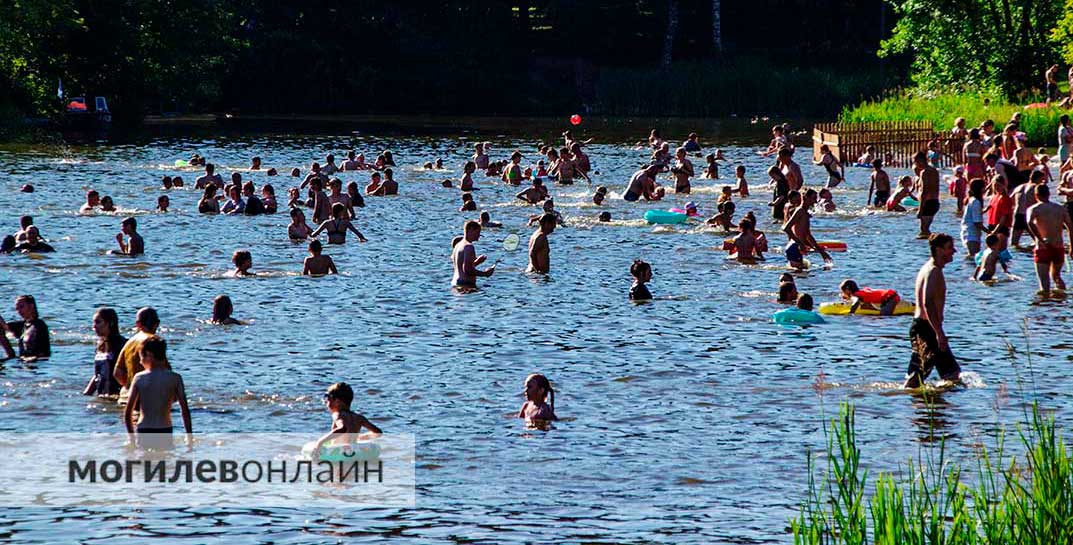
<point x="664" y="217"/>
<point x="795" y="315"/>
<point x="842" y="309"/>
<point x="182" y="163"/>
<point x="347" y="452"/>
<point x="910" y="202"/>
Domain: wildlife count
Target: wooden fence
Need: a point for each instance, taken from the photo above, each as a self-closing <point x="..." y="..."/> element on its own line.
<point x="901" y="139"/>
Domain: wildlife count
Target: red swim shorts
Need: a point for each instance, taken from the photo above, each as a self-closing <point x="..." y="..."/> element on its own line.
<point x="1049" y="254"/>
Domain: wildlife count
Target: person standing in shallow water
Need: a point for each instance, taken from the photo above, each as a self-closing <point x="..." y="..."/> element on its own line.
<point x="539" y="249"/>
<point x="931" y="349"/>
<point x="465" y="259"/>
<point x="31" y="331"/>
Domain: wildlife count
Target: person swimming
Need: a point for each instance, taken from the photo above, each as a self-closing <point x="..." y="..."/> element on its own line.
<point x="884" y="301"/>
<point x="243" y="261"/>
<point x="642" y="274"/>
<point x="221" y="311"/>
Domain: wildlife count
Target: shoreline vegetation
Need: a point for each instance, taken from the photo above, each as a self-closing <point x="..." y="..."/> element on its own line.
<point x="941" y="109"/>
<point x="1026" y="500"/>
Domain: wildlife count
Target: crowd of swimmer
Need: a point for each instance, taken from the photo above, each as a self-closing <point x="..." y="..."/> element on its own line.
<point x="136" y="371"/>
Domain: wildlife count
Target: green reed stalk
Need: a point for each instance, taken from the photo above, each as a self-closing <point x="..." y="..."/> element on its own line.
<point x="1009" y="504"/>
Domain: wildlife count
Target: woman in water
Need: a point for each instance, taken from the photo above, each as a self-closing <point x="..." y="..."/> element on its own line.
<point x="268" y="198"/>
<point x="298" y="229"/>
<point x="109" y="343"/>
<point x="337" y="226"/>
<point x="208" y="203"/>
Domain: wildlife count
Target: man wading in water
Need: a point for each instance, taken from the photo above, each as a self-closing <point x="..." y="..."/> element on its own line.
<point x="930" y="346"/>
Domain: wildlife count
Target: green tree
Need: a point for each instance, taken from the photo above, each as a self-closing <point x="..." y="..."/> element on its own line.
<point x="989" y="45"/>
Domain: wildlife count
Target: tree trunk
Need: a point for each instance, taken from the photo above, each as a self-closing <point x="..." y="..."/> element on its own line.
<point x="717" y="28"/>
<point x="672" y="29"/>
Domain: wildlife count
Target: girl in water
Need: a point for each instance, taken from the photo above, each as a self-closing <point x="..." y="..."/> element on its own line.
<point x="742" y="189"/>
<point x="537" y="389"/>
<point x="298" y="229"/>
<point x="109" y="343"/>
<point x="221" y="311"/>
<point x="268" y="198"/>
<point x="337" y="226"/>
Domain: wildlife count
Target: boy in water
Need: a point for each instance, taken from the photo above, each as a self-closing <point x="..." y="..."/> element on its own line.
<point x="745" y="246"/>
<point x="152" y="392"/>
<point x="549" y="208"/>
<point x="880" y="184"/>
<point x="991" y="257"/>
<point x="882" y="300"/>
<point x="317" y="264"/>
<point x="468" y="204"/>
<point x="134" y="245"/>
<point x="345" y="422"/>
<point x="534" y="194"/>
<point x="486" y="220"/>
<point x="93" y="200"/>
<point x="599" y="196"/>
<point x="742" y="187"/>
<point x="642" y="274"/>
<point x="243" y="260"/>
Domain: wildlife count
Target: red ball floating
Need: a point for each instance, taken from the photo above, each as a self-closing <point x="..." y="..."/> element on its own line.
<point x="575" y="119"/>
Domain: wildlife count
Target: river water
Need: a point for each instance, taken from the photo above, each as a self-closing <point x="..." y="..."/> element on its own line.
<point x="685" y="420"/>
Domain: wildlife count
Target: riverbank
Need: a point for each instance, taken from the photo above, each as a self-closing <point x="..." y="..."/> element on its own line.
<point x="1038" y="123"/>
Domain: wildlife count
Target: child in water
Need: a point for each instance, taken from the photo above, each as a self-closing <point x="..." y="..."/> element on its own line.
<point x="599" y="196"/>
<point x="726" y="194"/>
<point x="537" y="389"/>
<point x="243" y="260"/>
<point x="742" y="188"/>
<point x="959" y="188"/>
<point x="153" y="391"/>
<point x="990" y="258"/>
<point x="826" y="200"/>
<point x="804" y="302"/>
<point x="468" y="204"/>
<point x="345" y="422"/>
<point x="642" y="274"/>
<point x="317" y="264"/>
<point x="711" y="170"/>
<point x="298" y="228"/>
<point x="882" y="300"/>
<point x="905" y="189"/>
<point x="486" y="221"/>
<point x="221" y="311"/>
<point x="162" y="203"/>
<point x="787" y="289"/>
<point x="725" y="217"/>
<point x="107" y="205"/>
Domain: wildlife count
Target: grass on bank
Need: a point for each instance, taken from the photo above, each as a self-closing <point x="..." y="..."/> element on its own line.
<point x="1040" y="125"/>
<point x="1025" y="502"/>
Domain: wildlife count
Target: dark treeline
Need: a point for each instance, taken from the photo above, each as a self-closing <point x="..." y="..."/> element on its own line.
<point x="501" y="57"/>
